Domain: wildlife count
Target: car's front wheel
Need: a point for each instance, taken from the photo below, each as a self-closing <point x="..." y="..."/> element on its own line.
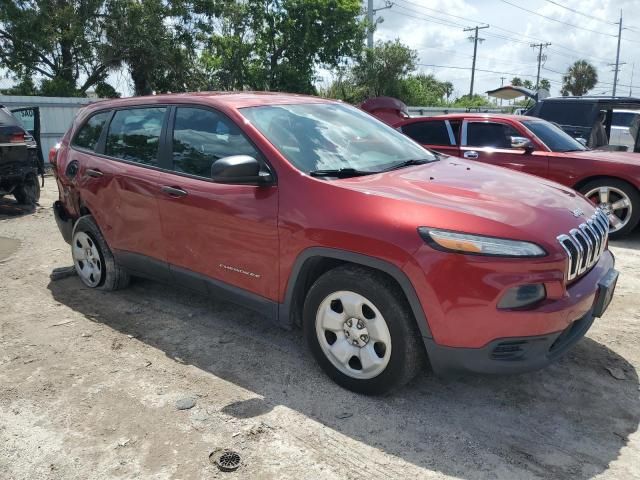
<point x="92" y="258"/>
<point x="619" y="200"/>
<point x="361" y="331"/>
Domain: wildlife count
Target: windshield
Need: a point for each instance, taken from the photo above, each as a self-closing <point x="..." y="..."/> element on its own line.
<point x="553" y="137"/>
<point x="332" y="136"/>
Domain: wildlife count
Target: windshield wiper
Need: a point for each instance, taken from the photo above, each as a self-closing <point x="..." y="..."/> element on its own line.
<point x="340" y="173"/>
<point x="407" y="163"/>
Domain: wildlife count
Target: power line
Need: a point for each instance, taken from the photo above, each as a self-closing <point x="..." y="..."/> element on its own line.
<point x="523" y="39"/>
<point x="581" y="13"/>
<point x="558" y="21"/>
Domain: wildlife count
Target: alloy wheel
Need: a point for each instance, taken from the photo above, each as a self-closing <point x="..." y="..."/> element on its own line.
<point x="86" y="259"/>
<point x="614" y="203"/>
<point x="353" y="334"/>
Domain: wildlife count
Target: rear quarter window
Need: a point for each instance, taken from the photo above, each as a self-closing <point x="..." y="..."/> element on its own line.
<point x="428" y="133"/>
<point x="89" y="134"/>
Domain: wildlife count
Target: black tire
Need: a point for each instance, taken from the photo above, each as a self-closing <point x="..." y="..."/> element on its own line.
<point x="28" y="192"/>
<point x="407" y="355"/>
<point x="630" y="191"/>
<point x="113" y="276"/>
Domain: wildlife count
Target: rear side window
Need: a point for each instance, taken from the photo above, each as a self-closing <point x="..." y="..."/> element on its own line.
<point x="200" y="137"/>
<point x="134" y="135"/>
<point x="487" y="134"/>
<point x="89" y="133"/>
<point x="428" y="133"/>
<point x="623" y="119"/>
<point x="577" y="113"/>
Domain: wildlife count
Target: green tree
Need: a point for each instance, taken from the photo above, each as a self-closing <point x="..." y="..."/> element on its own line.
<point x="516" y="82"/>
<point x="528" y="84"/>
<point x="381" y="69"/>
<point x="545" y="84"/>
<point x="422" y="90"/>
<point x="471" y="102"/>
<point x="59" y="41"/>
<point x="278" y="44"/>
<point x="448" y="90"/>
<point x="579" y="79"/>
<point x="157" y="41"/>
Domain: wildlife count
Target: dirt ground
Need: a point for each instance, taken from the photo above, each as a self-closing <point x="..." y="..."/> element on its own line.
<point x="89" y="383"/>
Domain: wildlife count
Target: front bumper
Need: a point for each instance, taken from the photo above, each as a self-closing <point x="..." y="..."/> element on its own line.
<point x="508" y="355"/>
<point x="64" y="222"/>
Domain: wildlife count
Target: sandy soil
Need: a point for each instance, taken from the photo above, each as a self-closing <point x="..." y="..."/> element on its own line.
<point x="89" y="383"/>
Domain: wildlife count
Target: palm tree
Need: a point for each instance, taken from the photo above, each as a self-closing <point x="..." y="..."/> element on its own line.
<point x="516" y="81"/>
<point x="579" y="79"/>
<point x="448" y="89"/>
<point x="545" y="84"/>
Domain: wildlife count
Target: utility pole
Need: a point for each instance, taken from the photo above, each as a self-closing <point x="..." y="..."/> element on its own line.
<point x="370" y="14"/>
<point x="501" y="84"/>
<point x="615" y="74"/>
<point x="475" y="40"/>
<point x="633" y="66"/>
<point x="540" y="46"/>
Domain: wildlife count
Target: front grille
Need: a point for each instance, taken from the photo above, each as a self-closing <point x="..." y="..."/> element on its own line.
<point x="585" y="244"/>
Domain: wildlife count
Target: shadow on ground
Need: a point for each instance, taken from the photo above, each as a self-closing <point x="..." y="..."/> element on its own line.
<point x="10" y="208"/>
<point x="631" y="241"/>
<point x="568" y="421"/>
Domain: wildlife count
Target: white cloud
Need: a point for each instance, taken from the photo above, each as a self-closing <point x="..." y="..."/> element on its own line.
<point x="439" y="39"/>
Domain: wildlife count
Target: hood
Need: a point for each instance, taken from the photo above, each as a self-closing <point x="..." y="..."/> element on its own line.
<point x="460" y="195"/>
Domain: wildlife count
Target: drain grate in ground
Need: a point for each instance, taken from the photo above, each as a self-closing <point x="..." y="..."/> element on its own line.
<point x="226" y="460"/>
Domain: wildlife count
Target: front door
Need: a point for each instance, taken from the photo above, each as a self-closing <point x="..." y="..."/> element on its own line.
<point x="492" y="142"/>
<point x="227" y="233"/>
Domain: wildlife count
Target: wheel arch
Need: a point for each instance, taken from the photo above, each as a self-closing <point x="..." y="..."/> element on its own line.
<point x="315" y="261"/>
<point x="584" y="181"/>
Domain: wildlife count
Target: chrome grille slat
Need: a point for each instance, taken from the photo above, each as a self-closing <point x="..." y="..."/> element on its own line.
<point x="584" y="245"/>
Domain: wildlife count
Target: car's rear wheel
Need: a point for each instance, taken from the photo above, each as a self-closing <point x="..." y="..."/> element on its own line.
<point x="361" y="331"/>
<point x="92" y="258"/>
<point x="28" y="192"/>
<point x="619" y="200"/>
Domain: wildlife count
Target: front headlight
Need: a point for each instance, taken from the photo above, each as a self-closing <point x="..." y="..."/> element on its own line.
<point x="479" y="244"/>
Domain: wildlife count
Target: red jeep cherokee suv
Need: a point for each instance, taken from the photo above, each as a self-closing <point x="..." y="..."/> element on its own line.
<point x="316" y="214"/>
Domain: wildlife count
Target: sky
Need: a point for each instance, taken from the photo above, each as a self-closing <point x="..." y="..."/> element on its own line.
<point x="435" y="29"/>
<point x="576" y="29"/>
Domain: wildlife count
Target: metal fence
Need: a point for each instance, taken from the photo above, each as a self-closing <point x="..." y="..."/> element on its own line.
<point x="56" y="115"/>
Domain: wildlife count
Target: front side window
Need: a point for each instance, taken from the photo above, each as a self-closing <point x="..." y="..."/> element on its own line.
<point x="433" y="132"/>
<point x="200" y="137"/>
<point x="134" y="135"/>
<point x="556" y="139"/>
<point x="332" y="136"/>
<point x="89" y="133"/>
<point x="491" y="135"/>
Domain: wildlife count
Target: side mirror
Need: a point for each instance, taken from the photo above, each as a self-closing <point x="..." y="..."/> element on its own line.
<point x="241" y="170"/>
<point x="522" y="143"/>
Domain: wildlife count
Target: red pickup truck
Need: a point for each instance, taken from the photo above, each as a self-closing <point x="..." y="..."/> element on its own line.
<point x="610" y="180"/>
<point x="318" y="215"/>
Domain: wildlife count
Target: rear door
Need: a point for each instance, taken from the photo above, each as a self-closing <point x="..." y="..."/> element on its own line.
<point x="491" y="141"/>
<point x="119" y="182"/>
<point x="436" y="134"/>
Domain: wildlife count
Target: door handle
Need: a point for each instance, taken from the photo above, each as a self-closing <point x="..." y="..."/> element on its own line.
<point x="94" y="173"/>
<point x="174" y="191"/>
<point x="470" y="154"/>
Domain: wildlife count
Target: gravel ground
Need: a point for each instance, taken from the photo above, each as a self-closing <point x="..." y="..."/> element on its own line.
<point x="148" y="381"/>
